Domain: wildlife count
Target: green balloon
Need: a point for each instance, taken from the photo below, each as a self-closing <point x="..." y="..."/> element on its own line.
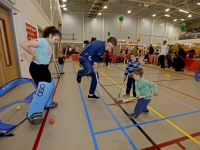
<point x="183" y="25"/>
<point x="121" y="18"/>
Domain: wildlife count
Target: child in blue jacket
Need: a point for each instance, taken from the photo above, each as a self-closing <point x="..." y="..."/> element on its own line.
<point x="132" y="64"/>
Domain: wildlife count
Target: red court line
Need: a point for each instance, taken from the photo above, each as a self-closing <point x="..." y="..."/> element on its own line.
<point x="119" y="103"/>
<point x="112" y="70"/>
<point x="37" y="140"/>
<point x="178" y="91"/>
<point x="168" y="143"/>
<point x="179" y="144"/>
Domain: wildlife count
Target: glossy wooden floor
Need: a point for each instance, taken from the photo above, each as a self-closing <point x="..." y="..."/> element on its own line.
<point x="173" y="122"/>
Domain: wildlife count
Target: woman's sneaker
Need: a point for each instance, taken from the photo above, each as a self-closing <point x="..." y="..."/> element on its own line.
<point x="93" y="97"/>
<point x="132" y="116"/>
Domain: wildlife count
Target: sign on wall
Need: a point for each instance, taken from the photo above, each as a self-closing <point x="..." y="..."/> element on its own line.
<point x="31" y="32"/>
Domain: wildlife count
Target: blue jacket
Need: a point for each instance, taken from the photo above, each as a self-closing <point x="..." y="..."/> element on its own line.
<point x="130" y="67"/>
<point x="93" y="51"/>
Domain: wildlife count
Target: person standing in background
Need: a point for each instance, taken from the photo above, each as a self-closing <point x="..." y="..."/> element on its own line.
<point x="151" y="51"/>
<point x="163" y="52"/>
<point x="76" y="50"/>
<point x="61" y="61"/>
<point x="156" y="55"/>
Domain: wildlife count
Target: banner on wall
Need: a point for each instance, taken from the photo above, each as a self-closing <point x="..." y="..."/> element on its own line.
<point x="32" y="32"/>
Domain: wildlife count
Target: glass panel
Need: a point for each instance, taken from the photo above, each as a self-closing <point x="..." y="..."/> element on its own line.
<point x="6" y="49"/>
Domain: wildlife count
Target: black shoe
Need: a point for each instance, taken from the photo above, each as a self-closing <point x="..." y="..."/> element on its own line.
<point x="78" y="77"/>
<point x="145" y="111"/>
<point x="132" y="116"/>
<point x="93" y="97"/>
<point x="36" y="118"/>
<point x="53" y="105"/>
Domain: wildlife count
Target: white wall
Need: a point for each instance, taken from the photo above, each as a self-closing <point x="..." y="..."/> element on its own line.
<point x="93" y="27"/>
<point x="174" y="34"/>
<point x="84" y="28"/>
<point x="194" y="24"/>
<point x="30" y="12"/>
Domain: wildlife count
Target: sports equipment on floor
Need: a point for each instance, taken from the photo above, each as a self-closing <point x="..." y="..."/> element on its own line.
<point x="17" y="93"/>
<point x="130" y="99"/>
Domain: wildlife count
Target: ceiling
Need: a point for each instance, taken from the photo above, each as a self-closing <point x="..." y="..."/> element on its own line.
<point x="139" y="8"/>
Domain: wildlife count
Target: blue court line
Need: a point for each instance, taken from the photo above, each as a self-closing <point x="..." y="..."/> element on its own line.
<point x="87" y="116"/>
<point x="120" y="127"/>
<point x="177" y="101"/>
<point x="145" y="123"/>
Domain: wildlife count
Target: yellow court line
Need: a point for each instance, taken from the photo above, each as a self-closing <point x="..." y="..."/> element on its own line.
<point x="171" y="123"/>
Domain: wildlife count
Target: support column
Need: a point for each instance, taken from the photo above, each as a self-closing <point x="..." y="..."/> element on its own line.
<point x="152" y="28"/>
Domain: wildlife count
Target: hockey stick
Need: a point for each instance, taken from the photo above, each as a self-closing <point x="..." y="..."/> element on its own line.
<point x="121" y="89"/>
<point x="98" y="84"/>
<point x="130" y="99"/>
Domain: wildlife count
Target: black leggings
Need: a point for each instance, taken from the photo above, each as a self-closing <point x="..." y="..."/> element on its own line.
<point x="40" y="73"/>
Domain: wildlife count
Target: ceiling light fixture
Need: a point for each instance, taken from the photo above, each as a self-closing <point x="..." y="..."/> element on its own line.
<point x="64" y="0"/>
<point x="154" y="15"/>
<point x="198" y="3"/>
<point x="175" y="19"/>
<point x="99" y="13"/>
<point x="183" y="11"/>
<point x="182" y="19"/>
<point x="167" y="15"/>
<point x="129" y="11"/>
<point x="64" y="8"/>
<point x="105" y="7"/>
<point x="167" y="9"/>
<point x="189" y="16"/>
<point x="63" y="5"/>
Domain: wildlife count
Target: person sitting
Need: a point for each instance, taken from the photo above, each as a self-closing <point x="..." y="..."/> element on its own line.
<point x="177" y="62"/>
<point x="181" y="52"/>
<point x="191" y="53"/>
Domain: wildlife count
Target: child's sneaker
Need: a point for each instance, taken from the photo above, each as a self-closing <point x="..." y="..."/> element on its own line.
<point x="93" y="97"/>
<point x="132" y="116"/>
<point x="145" y="111"/>
<point x="126" y="95"/>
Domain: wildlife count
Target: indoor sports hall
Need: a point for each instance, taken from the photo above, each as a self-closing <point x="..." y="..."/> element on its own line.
<point x="172" y="122"/>
<point x="58" y="114"/>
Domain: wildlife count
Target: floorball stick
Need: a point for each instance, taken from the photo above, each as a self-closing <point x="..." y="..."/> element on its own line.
<point x="121" y="89"/>
<point x="130" y="99"/>
<point x="98" y="84"/>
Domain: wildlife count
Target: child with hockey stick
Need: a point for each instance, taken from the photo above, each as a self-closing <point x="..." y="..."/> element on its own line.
<point x="132" y="64"/>
<point x="143" y="88"/>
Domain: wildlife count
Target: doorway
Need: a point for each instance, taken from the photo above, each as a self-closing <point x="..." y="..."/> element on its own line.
<point x="8" y="67"/>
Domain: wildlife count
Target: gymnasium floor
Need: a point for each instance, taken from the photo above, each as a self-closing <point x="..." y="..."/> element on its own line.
<point x="172" y="124"/>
